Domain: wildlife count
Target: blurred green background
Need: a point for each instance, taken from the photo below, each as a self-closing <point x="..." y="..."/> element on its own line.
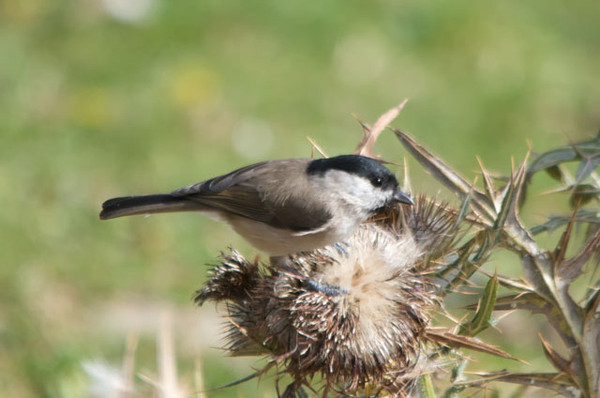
<point x="102" y="98"/>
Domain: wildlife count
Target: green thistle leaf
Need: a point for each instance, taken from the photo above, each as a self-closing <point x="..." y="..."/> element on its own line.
<point x="568" y="153"/>
<point x="481" y="320"/>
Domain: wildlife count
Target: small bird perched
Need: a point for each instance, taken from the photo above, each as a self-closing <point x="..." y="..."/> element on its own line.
<point x="284" y="206"/>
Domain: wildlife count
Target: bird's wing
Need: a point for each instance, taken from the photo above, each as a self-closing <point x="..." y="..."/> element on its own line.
<point x="245" y="201"/>
<point x="299" y="215"/>
<point x="237" y="193"/>
<point x="238" y="200"/>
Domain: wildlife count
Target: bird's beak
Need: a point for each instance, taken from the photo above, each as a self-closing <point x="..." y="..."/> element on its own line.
<point x="401" y="197"/>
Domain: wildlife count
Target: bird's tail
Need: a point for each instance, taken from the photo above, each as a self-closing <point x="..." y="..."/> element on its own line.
<point x="148" y="204"/>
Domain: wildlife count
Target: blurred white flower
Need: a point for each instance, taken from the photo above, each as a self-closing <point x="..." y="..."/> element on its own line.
<point x="106" y="381"/>
<point x="128" y="10"/>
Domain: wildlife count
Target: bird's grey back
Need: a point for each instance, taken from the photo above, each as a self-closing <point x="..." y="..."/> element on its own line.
<point x="261" y="192"/>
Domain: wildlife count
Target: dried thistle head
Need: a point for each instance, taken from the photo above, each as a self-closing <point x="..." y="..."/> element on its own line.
<point x="354" y="313"/>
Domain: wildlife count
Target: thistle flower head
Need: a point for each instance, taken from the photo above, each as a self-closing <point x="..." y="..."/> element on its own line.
<point x="353" y="313"/>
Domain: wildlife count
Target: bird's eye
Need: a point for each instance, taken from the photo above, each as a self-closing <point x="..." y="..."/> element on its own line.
<point x="377" y="181"/>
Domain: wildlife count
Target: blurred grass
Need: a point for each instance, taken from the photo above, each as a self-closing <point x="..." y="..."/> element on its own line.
<point x="100" y="101"/>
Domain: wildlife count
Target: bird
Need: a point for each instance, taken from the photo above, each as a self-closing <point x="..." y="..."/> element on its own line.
<point x="282" y="207"/>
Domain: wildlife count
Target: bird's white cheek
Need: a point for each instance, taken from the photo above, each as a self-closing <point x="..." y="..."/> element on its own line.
<point x="362" y="194"/>
<point x="341" y="186"/>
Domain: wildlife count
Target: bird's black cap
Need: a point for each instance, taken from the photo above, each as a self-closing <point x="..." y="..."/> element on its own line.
<point x="356" y="164"/>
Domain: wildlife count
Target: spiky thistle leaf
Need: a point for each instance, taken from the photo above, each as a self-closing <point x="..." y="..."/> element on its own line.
<point x="483" y="314"/>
